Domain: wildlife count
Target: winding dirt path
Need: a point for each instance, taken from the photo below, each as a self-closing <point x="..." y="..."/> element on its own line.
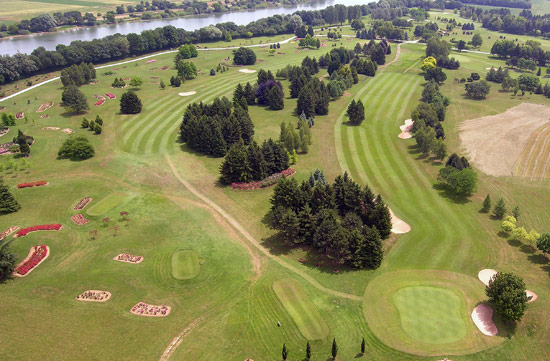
<point x="176" y="341"/>
<point x="255" y="243"/>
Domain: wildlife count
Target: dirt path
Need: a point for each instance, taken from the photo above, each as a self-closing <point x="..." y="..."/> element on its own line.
<point x="255" y="243"/>
<point x="397" y="52"/>
<point x="176" y="341"/>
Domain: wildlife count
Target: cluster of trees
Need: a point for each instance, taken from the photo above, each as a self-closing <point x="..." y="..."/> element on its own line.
<point x="333" y="351"/>
<point x="366" y="34"/>
<point x="524" y="56"/>
<point x="385" y="29"/>
<point x="186" y="51"/>
<point x="458" y="176"/>
<point x="78" y="74"/>
<point x="267" y="91"/>
<point x="244" y="56"/>
<point x="186" y="70"/>
<point x="516" y="233"/>
<point x="375" y="51"/>
<point x="118" y="83"/>
<point x="74" y="100"/>
<point x="8" y="119"/>
<point x="356" y="112"/>
<point x="345" y="222"/>
<point x="302" y="32"/>
<point x="440" y="49"/>
<point x="430" y="112"/>
<point x="296" y="140"/>
<point x="47" y="22"/>
<point x="309" y="42"/>
<point x="426" y="31"/>
<point x="76" y="148"/>
<point x="95" y="125"/>
<point x="244" y="163"/>
<point x="213" y="129"/>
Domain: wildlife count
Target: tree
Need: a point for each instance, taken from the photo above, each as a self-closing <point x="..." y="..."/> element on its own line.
<point x="363" y="346"/>
<point x="439" y="149"/>
<point x="162" y="85"/>
<point x="435" y="74"/>
<point x="486" y="204"/>
<point x="276" y="98"/>
<point x="308" y="351"/>
<point x="477" y="41"/>
<point x="7" y="261"/>
<point x="8" y="203"/>
<point x="428" y="62"/>
<point x="543" y="243"/>
<point x="97" y="128"/>
<point x="500" y="209"/>
<point x="76" y="148"/>
<point x="235" y="166"/>
<point x="130" y="103"/>
<point x="74" y="99"/>
<point x="85" y="123"/>
<point x="186" y="70"/>
<point x="478" y="90"/>
<point x="460" y="182"/>
<point x="356" y="112"/>
<point x="506" y="292"/>
<point x="136" y="82"/>
<point x="284" y="352"/>
<point x="244" y="56"/>
<point x="334" y="348"/>
<point x="516" y="212"/>
<point x="461" y="45"/>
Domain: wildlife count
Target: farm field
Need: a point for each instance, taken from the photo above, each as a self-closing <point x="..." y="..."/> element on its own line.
<point x="208" y="253"/>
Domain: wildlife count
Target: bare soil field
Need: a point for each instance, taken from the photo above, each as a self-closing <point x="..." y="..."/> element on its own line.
<point x="494" y="143"/>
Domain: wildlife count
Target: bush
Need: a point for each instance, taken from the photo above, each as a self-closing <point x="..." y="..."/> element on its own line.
<point x="507" y="292"/>
<point x="478" y="90"/>
<point x="76" y="148"/>
<point x="244" y="56"/>
<point x="130" y="103"/>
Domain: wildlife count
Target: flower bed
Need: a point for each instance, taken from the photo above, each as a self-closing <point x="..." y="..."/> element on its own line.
<point x="165" y="68"/>
<point x="144" y="309"/>
<point x="36" y="255"/>
<point x="79" y="219"/>
<point x="82" y="204"/>
<point x="5" y="148"/>
<point x="100" y="102"/>
<point x="20" y="115"/>
<point x="8" y="231"/>
<point x="129" y="258"/>
<point x="151" y="61"/>
<point x="4" y="131"/>
<point x="94" y="296"/>
<point x="32" y="184"/>
<point x="44" y="107"/>
<point x="43" y="227"/>
<point x="266" y="182"/>
<point x="110" y="95"/>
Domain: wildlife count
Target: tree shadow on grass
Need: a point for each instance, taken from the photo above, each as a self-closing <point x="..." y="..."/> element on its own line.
<point x="444" y="192"/>
<point x="527" y="249"/>
<point x="538" y="259"/>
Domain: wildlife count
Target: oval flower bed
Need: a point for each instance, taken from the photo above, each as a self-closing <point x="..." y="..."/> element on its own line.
<point x="43" y="227"/>
<point x="32" y="184"/>
<point x="266" y="182"/>
<point x="94" y="296"/>
<point x="36" y="255"/>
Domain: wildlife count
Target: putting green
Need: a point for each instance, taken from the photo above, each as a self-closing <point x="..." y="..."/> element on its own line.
<point x="426" y="312"/>
<point x="106" y="204"/>
<point x="430" y="314"/>
<point x="185" y="265"/>
<point x="304" y="313"/>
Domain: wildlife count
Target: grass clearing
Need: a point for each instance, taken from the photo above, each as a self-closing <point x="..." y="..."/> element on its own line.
<point x="304" y="313"/>
<point x="106" y="204"/>
<point x="185" y="265"/>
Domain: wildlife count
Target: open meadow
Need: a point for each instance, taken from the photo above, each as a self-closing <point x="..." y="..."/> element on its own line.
<point x="208" y="252"/>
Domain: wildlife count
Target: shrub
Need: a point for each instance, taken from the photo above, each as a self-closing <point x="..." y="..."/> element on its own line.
<point x="76" y="148"/>
<point x="130" y="103"/>
<point x="244" y="56"/>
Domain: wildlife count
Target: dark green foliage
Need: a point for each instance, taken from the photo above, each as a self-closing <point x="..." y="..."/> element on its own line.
<point x="74" y="100"/>
<point x="498" y="75"/>
<point x="500" y="209"/>
<point x="97" y="128"/>
<point x="308" y="351"/>
<point x="78" y="74"/>
<point x="516" y="212"/>
<point x="457" y="162"/>
<point x="186" y="51"/>
<point x="186" y="70"/>
<point x="8" y="203"/>
<point x="284" y="352"/>
<point x="76" y="148"/>
<point x="506" y="292"/>
<point x="460" y="182"/>
<point x="98" y="120"/>
<point x="85" y="123"/>
<point x="7" y="259"/>
<point x="244" y="56"/>
<point x="486" y="204"/>
<point x="543" y="243"/>
<point x="363" y="346"/>
<point x="478" y="90"/>
<point x="334" y="351"/>
<point x="356" y="112"/>
<point x="130" y="103"/>
<point x="235" y="166"/>
<point x="276" y="98"/>
<point x="8" y="119"/>
<point x="118" y="83"/>
<point x="436" y="74"/>
<point x="212" y="72"/>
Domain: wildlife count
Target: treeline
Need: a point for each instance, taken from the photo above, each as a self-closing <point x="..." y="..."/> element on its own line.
<point x="213" y="129"/>
<point x="520" y="4"/>
<point x="530" y="50"/>
<point x="344" y="221"/>
<point x="119" y="46"/>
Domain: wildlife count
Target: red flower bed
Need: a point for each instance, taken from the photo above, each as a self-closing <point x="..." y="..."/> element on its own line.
<point x="32" y="184"/>
<point x="79" y="219"/>
<point x="40" y="252"/>
<point x="110" y="95"/>
<point x="42" y="227"/>
<point x="100" y="102"/>
<point x="266" y="182"/>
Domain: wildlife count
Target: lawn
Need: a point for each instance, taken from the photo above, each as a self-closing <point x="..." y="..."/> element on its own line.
<point x="106" y="204"/>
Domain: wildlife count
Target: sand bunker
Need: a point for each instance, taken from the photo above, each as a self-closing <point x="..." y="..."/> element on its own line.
<point x="398" y="225"/>
<point x="531" y="294"/>
<point x="485" y="275"/>
<point x="94" y="296"/>
<point x="67" y="131"/>
<point x="247" y="71"/>
<point x="144" y="309"/>
<point x="186" y="94"/>
<point x="51" y="128"/>
<point x="482" y="316"/>
<point x="494" y="143"/>
<point x="406" y="129"/>
<point x="128" y="258"/>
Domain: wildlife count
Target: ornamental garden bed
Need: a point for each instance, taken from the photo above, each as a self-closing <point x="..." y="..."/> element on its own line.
<point x="4" y="131"/>
<point x="128" y="258"/>
<point x="32" y="184"/>
<point x="67" y="131"/>
<point x="8" y="231"/>
<point x="79" y="219"/>
<point x="99" y="102"/>
<point x="45" y="116"/>
<point x="110" y="95"/>
<point x="44" y="107"/>
<point x="37" y="255"/>
<point x="144" y="309"/>
<point x="266" y="182"/>
<point x="43" y="227"/>
<point x="82" y="203"/>
<point x="94" y="296"/>
<point x="20" y="115"/>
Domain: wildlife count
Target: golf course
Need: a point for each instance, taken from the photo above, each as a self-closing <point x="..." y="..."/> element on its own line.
<point x="195" y="268"/>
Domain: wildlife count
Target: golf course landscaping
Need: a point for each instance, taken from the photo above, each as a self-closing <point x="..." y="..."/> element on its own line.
<point x="145" y="227"/>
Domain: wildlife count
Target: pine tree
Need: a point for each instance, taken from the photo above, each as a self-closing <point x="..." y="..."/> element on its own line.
<point x="334" y="348"/>
<point x="130" y="103"/>
<point x="249" y="94"/>
<point x="7" y="261"/>
<point x="256" y="161"/>
<point x="323" y="99"/>
<point x="308" y="351"/>
<point x="24" y="148"/>
<point x="306" y="102"/>
<point x="486" y="204"/>
<point x="97" y="128"/>
<point x="284" y="352"/>
<point x="85" y="123"/>
<point x="8" y="203"/>
<point x="363" y="346"/>
<point x="500" y="209"/>
<point x="98" y="120"/>
<point x="516" y="212"/>
<point x="235" y="166"/>
<point x="276" y="98"/>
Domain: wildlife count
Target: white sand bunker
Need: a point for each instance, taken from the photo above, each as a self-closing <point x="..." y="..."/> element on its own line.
<point x="531" y="294"/>
<point x="247" y="71"/>
<point x="485" y="275"/>
<point x="398" y="225"/>
<point x="482" y="316"/>
<point x="495" y="143"/>
<point x="186" y="94"/>
<point x="67" y="131"/>
<point x="94" y="296"/>
<point x="406" y="129"/>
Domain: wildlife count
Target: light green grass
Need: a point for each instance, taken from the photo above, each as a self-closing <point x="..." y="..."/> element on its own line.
<point x="185" y="265"/>
<point x="106" y="204"/>
<point x="304" y="313"/>
<point x="430" y="314"/>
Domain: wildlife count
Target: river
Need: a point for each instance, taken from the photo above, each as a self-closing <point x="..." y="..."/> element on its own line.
<point x="26" y="44"/>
